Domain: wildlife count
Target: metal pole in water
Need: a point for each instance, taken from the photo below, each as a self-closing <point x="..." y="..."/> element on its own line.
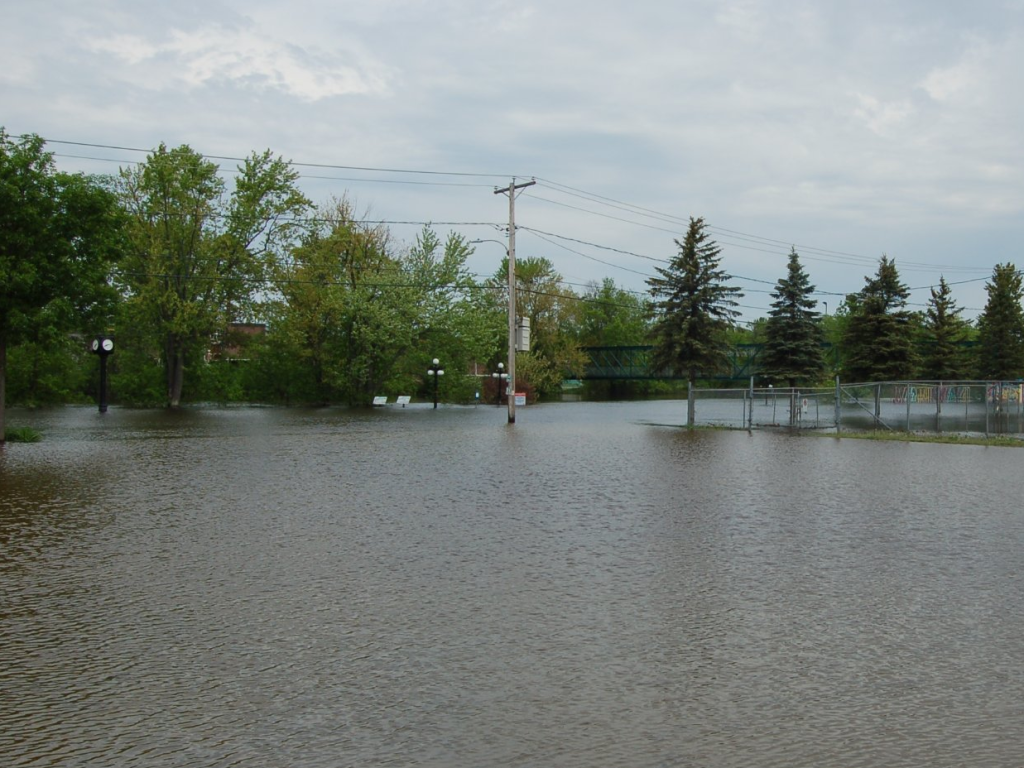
<point x="750" y="418"/>
<point x="985" y="393"/>
<point x="839" y="407"/>
<point x="908" y="406"/>
<point x="689" y="404"/>
<point x="967" y="410"/>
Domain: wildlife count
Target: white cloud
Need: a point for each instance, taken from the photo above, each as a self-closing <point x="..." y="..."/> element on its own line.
<point x="217" y="54"/>
<point x="882" y="117"/>
<point x="867" y="121"/>
<point x="964" y="79"/>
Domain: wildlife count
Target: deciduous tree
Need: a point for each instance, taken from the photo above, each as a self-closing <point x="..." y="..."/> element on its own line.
<point x="199" y="257"/>
<point x="553" y="311"/>
<point x="613" y="317"/>
<point x="58" y="236"/>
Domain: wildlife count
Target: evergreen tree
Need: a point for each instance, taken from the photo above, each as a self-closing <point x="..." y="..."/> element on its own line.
<point x="694" y="308"/>
<point x="793" y="335"/>
<point x="878" y="342"/>
<point x="944" y="333"/>
<point x="1001" y="326"/>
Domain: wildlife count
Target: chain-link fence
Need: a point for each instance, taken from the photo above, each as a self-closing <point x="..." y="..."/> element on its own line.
<point x="970" y="407"/>
<point x="766" y="407"/>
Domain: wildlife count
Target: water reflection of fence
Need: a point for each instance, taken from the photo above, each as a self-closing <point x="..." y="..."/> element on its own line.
<point x="981" y="407"/>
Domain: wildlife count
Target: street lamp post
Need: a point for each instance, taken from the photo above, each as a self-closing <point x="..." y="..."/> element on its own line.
<point x="498" y="376"/>
<point x="435" y="370"/>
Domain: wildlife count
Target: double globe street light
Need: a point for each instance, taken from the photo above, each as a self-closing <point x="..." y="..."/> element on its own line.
<point x="103" y="346"/>
<point x="435" y="370"/>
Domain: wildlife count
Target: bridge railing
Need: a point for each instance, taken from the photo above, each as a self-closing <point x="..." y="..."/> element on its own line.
<point x="744" y="361"/>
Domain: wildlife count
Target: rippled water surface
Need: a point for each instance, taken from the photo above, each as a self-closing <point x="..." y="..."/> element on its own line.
<point x="590" y="587"/>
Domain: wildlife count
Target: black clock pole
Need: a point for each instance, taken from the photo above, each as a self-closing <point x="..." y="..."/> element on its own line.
<point x="103" y="383"/>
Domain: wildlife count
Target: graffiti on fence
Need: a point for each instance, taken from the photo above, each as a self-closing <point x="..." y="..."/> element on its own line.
<point x="932" y="394"/>
<point x="1003" y="394"/>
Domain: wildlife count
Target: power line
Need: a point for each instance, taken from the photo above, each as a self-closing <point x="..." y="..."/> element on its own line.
<point x="751" y="240"/>
<point x="358" y="180"/>
<point x="669" y="218"/>
<point x="586" y="256"/>
<point x="298" y="164"/>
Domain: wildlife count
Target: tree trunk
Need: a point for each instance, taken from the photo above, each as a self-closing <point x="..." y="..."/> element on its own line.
<point x="174" y="361"/>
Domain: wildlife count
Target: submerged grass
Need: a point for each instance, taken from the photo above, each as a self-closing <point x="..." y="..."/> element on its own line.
<point x="22" y="435"/>
<point x="950" y="438"/>
<point x="1002" y="441"/>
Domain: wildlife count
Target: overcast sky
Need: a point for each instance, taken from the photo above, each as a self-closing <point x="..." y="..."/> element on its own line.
<point x="847" y="129"/>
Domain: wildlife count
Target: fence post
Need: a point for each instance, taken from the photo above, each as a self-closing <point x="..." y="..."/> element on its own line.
<point x="878" y="405"/>
<point x="985" y="395"/>
<point x="839" y="407"/>
<point x="908" y="406"/>
<point x="689" y="404"/>
<point x="750" y="417"/>
<point x="967" y="409"/>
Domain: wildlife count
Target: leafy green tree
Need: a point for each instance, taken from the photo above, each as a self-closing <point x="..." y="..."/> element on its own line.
<point x="459" y="323"/>
<point x="944" y="332"/>
<point x="1001" y="326"/>
<point x="199" y="257"/>
<point x="793" y="334"/>
<point x="878" y="342"/>
<point x="356" y="317"/>
<point x="58" y="236"/>
<point x="613" y="317"/>
<point x="553" y="311"/>
<point x="49" y="365"/>
<point x="345" y="313"/>
<point x="693" y="308"/>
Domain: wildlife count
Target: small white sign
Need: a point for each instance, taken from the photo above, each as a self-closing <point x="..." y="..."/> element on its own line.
<point x="403" y="400"/>
<point x="520" y="398"/>
<point x="380" y="400"/>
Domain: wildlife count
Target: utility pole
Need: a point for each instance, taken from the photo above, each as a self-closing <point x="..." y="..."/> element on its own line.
<point x="511" y="192"/>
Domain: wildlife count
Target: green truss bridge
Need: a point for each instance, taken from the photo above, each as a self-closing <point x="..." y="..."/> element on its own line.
<point x="617" y="363"/>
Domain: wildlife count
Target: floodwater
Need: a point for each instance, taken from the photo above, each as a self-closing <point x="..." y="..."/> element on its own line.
<point x="591" y="587"/>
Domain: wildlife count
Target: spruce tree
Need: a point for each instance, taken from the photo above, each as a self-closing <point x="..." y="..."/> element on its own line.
<point x="878" y="342"/>
<point x="693" y="308"/>
<point x="944" y="334"/>
<point x="793" y="335"/>
<point x="1001" y="326"/>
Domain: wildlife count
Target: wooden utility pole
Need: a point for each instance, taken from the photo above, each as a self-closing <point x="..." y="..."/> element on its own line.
<point x="511" y="192"/>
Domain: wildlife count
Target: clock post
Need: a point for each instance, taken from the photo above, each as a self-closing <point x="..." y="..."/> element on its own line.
<point x="104" y="347"/>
